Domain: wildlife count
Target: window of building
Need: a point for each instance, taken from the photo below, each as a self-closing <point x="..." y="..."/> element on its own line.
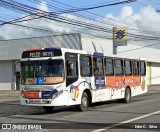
<point x="109" y="66"/>
<point x="85" y="66"/>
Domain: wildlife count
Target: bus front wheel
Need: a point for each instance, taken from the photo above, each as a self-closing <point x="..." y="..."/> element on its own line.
<point x="48" y="109"/>
<point x="84" y="102"/>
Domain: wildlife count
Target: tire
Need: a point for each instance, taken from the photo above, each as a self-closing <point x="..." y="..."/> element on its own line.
<point x="48" y="109"/>
<point x="127" y="97"/>
<point x="84" y="102"/>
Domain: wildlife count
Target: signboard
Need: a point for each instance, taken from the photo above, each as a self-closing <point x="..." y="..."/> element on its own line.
<point x="120" y="36"/>
<point x="41" y="53"/>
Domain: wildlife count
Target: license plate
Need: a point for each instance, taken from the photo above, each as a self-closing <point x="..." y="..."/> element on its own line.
<point x="34" y="101"/>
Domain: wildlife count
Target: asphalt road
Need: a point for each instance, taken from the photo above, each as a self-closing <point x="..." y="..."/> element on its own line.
<point x="142" y="112"/>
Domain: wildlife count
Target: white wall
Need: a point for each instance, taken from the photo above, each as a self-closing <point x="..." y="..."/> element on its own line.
<point x="130" y="51"/>
<point x="6" y="75"/>
<point x="155" y="73"/>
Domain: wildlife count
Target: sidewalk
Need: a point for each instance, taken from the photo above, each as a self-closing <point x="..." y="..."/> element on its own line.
<point x="9" y="92"/>
<point x="154" y="89"/>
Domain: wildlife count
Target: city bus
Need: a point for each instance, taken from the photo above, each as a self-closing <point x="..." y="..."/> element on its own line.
<point x="53" y="77"/>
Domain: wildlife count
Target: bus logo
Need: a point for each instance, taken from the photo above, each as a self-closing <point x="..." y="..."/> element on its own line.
<point x="99" y="81"/>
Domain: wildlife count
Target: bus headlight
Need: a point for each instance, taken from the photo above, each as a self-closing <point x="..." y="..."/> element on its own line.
<point x="57" y="94"/>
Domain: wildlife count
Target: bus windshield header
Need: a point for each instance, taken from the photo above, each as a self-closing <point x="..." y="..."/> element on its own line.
<point x="44" y="52"/>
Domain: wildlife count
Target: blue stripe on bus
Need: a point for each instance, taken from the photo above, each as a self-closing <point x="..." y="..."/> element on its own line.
<point x="98" y="54"/>
<point x="48" y="94"/>
<point x="50" y="49"/>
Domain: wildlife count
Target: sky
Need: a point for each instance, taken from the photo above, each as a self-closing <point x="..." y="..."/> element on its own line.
<point x="140" y="15"/>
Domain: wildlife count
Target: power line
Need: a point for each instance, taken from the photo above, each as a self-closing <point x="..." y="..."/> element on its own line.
<point x="28" y="27"/>
<point x="139" y="48"/>
<point x="72" y="22"/>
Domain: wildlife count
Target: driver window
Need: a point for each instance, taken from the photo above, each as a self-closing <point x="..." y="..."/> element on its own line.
<point x="72" y="68"/>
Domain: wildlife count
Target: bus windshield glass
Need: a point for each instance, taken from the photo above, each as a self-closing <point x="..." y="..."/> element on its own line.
<point x="42" y="72"/>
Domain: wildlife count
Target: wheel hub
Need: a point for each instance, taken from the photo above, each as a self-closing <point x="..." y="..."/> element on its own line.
<point x="84" y="101"/>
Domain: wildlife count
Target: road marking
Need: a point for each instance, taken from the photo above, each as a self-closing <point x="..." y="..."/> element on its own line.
<point x="141" y="117"/>
<point x="98" y="130"/>
<point x="127" y="121"/>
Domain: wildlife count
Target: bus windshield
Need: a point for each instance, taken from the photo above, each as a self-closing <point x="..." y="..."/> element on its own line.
<point x="42" y="72"/>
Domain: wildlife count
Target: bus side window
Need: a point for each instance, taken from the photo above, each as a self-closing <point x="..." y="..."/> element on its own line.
<point x="119" y="67"/>
<point x="72" y="68"/>
<point x="135" y="67"/>
<point x="143" y="68"/>
<point x="98" y="66"/>
<point x="85" y="66"/>
<point x="109" y="67"/>
<point x="128" y="67"/>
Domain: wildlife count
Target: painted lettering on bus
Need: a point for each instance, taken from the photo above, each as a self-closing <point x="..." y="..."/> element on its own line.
<point x="47" y="54"/>
<point x="35" y="54"/>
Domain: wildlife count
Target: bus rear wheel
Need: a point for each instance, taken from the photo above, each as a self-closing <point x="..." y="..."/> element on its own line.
<point x="84" y="102"/>
<point x="127" y="97"/>
<point x="48" y="109"/>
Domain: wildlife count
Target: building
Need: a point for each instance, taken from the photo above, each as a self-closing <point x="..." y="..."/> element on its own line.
<point x="11" y="52"/>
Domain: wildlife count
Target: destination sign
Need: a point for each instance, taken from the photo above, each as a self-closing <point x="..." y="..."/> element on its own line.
<point x="41" y="53"/>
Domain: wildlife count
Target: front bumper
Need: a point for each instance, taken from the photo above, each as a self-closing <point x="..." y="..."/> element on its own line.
<point x="61" y="100"/>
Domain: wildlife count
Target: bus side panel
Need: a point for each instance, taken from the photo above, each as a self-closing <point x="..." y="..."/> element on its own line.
<point x="142" y="88"/>
<point x="122" y="81"/>
<point x="75" y="92"/>
<point x="117" y="85"/>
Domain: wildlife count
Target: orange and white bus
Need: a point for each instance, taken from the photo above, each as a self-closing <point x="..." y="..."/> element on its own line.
<point x="63" y="77"/>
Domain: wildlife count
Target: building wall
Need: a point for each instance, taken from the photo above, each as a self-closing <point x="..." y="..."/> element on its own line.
<point x="6" y="75"/>
<point x="12" y="49"/>
<point x="155" y="73"/>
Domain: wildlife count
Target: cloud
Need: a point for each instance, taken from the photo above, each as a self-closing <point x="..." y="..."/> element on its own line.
<point x="43" y="6"/>
<point x="145" y="23"/>
<point x="126" y="12"/>
<point x="147" y="18"/>
<point x="9" y="31"/>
